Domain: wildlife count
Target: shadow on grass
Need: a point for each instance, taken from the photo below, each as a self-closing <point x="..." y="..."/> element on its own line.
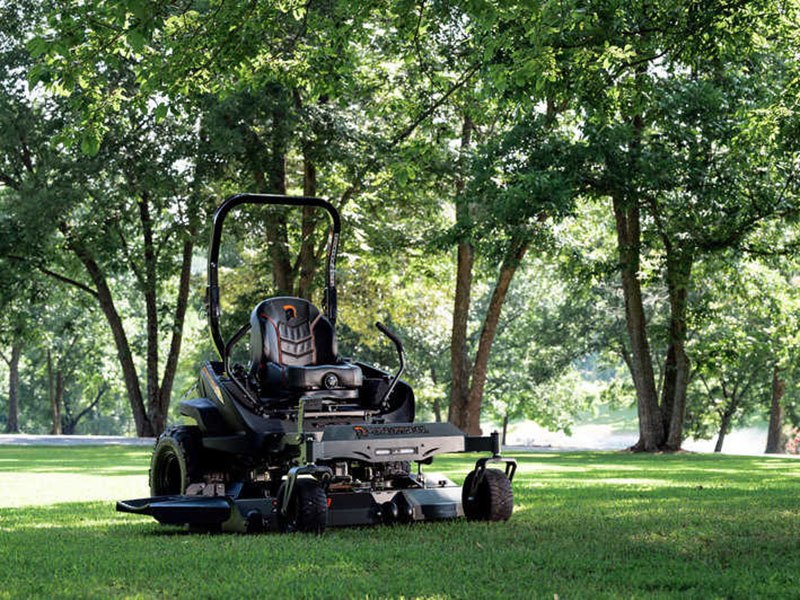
<point x="586" y="525"/>
<point x="586" y="542"/>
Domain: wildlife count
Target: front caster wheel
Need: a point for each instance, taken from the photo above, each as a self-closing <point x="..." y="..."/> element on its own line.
<point x="491" y="500"/>
<point x="307" y="510"/>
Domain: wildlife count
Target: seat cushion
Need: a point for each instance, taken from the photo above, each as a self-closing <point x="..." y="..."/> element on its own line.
<point x="291" y="331"/>
<point x="324" y="377"/>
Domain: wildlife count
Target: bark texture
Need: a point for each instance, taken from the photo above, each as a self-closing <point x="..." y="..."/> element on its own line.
<point x="651" y="425"/>
<point x="55" y="380"/>
<point x="12" y="417"/>
<point x="149" y="409"/>
<point x="459" y="351"/>
<point x="471" y="420"/>
<point x="775" y="414"/>
<point x="677" y="367"/>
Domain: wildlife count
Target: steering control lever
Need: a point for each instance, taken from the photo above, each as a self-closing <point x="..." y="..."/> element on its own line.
<point x="400" y="353"/>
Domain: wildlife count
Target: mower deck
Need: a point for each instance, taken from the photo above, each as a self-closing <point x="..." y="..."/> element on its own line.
<point x="428" y="497"/>
<point x="247" y="515"/>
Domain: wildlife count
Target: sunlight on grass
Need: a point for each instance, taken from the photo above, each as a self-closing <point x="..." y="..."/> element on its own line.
<point x="36" y="476"/>
<point x="30" y="489"/>
<point x="584" y="525"/>
<point x="631" y="481"/>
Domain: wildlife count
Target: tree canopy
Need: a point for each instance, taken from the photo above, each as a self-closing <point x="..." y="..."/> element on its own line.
<point x="526" y="190"/>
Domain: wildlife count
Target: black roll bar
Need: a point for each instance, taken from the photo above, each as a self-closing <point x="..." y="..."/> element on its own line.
<point x="212" y="289"/>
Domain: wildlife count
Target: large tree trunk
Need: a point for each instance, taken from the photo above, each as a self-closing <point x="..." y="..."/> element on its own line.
<point x="143" y="426"/>
<point x="307" y="257"/>
<point x="512" y="259"/>
<point x="677" y="375"/>
<point x="668" y="379"/>
<point x="505" y="429"/>
<point x="775" y="414"/>
<point x="150" y="284"/>
<point x="459" y="351"/>
<point x="159" y="406"/>
<point x="12" y="420"/>
<point x="651" y="426"/>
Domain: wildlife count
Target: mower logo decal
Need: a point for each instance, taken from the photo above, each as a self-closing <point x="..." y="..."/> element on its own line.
<point x="362" y="432"/>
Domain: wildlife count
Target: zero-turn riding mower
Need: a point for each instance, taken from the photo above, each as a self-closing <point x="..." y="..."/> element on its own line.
<point x="303" y="438"/>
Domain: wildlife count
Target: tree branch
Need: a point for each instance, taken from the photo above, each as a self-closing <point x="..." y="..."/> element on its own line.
<point x="94" y="403"/>
<point x="58" y="276"/>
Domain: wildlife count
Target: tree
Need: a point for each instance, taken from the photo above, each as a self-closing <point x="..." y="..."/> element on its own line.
<point x="134" y="208"/>
<point x="745" y="319"/>
<point x="668" y="130"/>
<point x="547" y="328"/>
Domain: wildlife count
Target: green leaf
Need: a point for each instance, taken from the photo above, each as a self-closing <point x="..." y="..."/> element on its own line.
<point x="136" y="40"/>
<point x="90" y="143"/>
<point x="160" y="112"/>
<point x="37" y="46"/>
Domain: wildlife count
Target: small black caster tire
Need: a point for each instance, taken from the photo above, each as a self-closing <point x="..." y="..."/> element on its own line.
<point x="308" y="508"/>
<point x="493" y="499"/>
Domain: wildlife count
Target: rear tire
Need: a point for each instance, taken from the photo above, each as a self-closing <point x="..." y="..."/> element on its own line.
<point x="307" y="510"/>
<point x="493" y="499"/>
<point x="176" y="461"/>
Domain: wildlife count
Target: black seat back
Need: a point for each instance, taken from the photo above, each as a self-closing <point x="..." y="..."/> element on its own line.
<point x="291" y="331"/>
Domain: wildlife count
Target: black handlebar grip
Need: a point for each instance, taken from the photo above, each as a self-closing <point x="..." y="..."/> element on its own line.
<point x="388" y="333"/>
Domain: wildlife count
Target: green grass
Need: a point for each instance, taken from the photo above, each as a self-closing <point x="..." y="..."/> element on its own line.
<point x="586" y="525"/>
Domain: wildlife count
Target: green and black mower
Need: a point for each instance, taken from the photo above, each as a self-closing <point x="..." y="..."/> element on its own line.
<point x="301" y="438"/>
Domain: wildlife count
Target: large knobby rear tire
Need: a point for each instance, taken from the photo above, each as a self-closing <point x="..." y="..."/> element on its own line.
<point x="493" y="499"/>
<point x="176" y="461"/>
<point x="307" y="510"/>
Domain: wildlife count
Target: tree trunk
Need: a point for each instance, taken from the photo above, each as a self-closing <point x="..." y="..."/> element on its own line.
<point x="723" y="430"/>
<point x="12" y="421"/>
<point x="459" y="352"/>
<point x="159" y="409"/>
<point x="668" y="380"/>
<point x="71" y="422"/>
<point x="268" y="166"/>
<point x="437" y="403"/>
<point x="679" y="271"/>
<point x="775" y="414"/>
<point x="505" y="429"/>
<point x="55" y="403"/>
<point x="651" y="426"/>
<point x="277" y="235"/>
<point x="512" y="259"/>
<point x="733" y="401"/>
<point x="143" y="426"/>
<point x="149" y="284"/>
<point x="307" y="257"/>
<point x="59" y="401"/>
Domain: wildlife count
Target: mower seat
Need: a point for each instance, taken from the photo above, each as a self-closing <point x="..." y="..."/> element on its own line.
<point x="293" y="347"/>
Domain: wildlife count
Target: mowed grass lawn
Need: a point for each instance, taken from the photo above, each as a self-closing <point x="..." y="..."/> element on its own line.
<point x="586" y="525"/>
